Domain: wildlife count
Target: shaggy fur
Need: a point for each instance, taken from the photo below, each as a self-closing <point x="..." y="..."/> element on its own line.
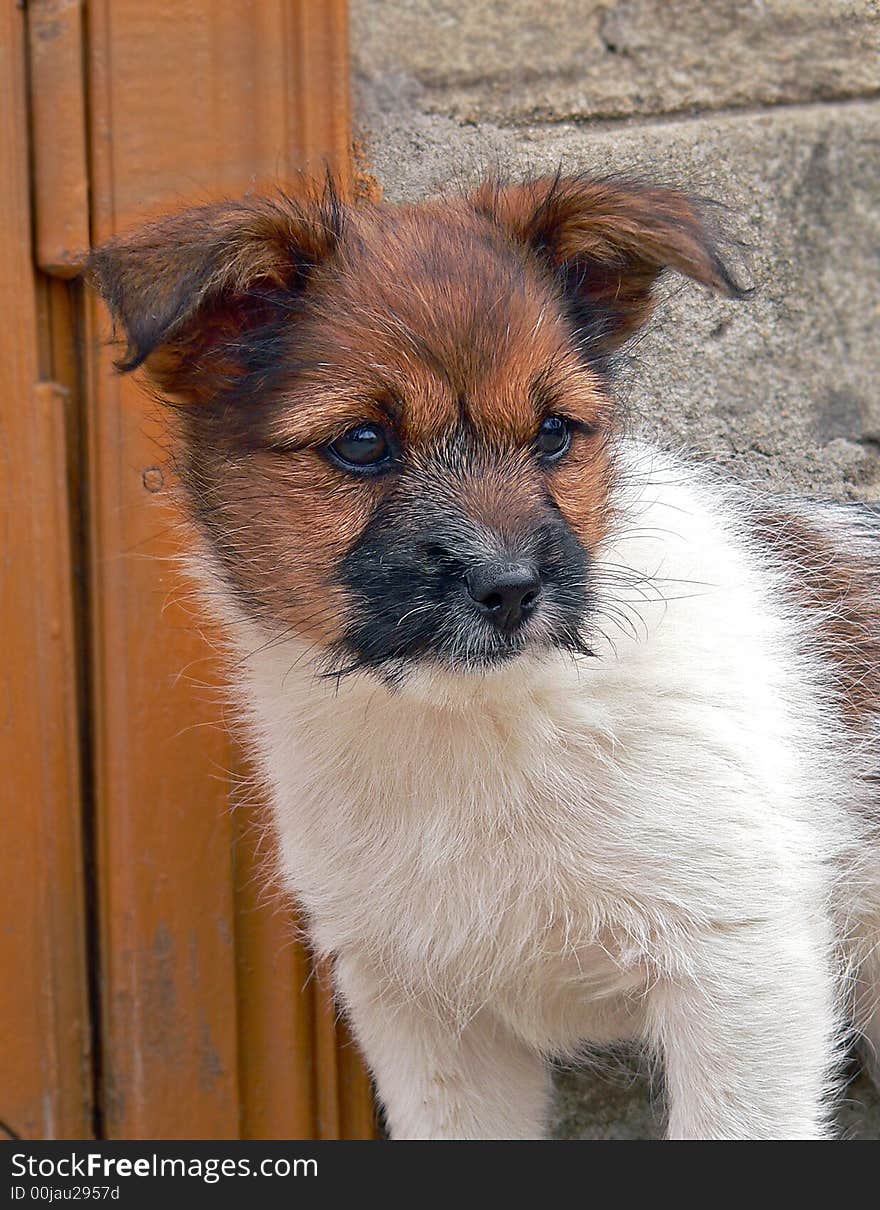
<point x="645" y="809"/>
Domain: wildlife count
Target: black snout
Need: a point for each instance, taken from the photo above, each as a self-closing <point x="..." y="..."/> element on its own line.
<point x="505" y="592"/>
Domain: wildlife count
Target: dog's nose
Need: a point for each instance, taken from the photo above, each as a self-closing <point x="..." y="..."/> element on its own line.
<point x="506" y="592"/>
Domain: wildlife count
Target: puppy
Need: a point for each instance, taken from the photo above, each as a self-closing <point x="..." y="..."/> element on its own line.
<point x="569" y="740"/>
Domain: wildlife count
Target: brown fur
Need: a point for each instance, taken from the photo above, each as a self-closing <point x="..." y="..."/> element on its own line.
<point x="840" y="589"/>
<point x="621" y="236"/>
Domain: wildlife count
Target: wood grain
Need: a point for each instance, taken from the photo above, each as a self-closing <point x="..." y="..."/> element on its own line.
<point x="45" y="1078"/>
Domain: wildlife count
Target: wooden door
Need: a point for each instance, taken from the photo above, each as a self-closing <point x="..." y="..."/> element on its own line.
<point x="182" y="1005"/>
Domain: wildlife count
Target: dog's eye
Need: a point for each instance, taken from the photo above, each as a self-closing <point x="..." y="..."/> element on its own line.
<point x="554" y="438"/>
<point x="364" y="448"/>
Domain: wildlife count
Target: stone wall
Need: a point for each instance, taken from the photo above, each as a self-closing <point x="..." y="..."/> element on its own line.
<point x="770" y="107"/>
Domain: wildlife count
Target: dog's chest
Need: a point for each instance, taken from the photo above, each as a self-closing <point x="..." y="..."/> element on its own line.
<point x="459" y="852"/>
<point x="462" y="909"/>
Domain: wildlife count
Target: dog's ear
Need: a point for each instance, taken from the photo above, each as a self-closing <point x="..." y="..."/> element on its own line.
<point x="195" y="293"/>
<point x="607" y="241"/>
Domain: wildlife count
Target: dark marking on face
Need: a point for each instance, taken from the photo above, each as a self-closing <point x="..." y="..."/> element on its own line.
<point x="410" y="579"/>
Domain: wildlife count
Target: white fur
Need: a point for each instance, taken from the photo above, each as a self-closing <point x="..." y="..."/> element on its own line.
<point x="660" y="843"/>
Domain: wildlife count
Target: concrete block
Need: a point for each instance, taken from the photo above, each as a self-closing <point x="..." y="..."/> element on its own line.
<point x="518" y="60"/>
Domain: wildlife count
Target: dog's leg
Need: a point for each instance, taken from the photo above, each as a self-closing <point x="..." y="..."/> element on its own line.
<point x="437" y="1082"/>
<point x="748" y="1032"/>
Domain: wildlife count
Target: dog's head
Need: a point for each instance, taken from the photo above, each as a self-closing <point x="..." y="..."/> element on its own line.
<point x="396" y="422"/>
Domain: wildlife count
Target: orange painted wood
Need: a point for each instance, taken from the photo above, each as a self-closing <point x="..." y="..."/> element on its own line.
<point x="344" y="1104"/>
<point x="319" y="103"/>
<point x="276" y="1014"/>
<point x="58" y="119"/>
<point x="208" y="1019"/>
<point x="357" y="1104"/>
<point x="325" y="1041"/>
<point x="45" y="1080"/>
